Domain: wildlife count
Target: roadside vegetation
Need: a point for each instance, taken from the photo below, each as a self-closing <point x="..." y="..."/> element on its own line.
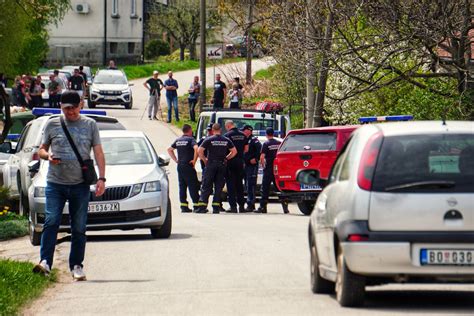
<point x="11" y="224"/>
<point x="18" y="285"/>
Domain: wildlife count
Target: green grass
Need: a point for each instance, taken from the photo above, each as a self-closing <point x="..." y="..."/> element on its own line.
<point x="12" y="225"/>
<point x="19" y="285"/>
<point x="163" y="66"/>
<point x="264" y="73"/>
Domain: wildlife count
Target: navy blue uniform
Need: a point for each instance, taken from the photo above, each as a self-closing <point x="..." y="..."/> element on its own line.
<point x="251" y="169"/>
<point x="218" y="148"/>
<point x="187" y="177"/>
<point x="235" y="169"/>
<point x="269" y="149"/>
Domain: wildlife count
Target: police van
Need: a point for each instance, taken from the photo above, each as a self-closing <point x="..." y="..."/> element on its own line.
<point x="259" y="120"/>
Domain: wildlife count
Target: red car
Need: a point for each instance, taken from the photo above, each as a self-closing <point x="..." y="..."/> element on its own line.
<point x="304" y="156"/>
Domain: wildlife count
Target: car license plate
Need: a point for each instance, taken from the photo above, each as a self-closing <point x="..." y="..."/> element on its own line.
<point x="306" y="187"/>
<point x="110" y="98"/>
<point x="446" y="257"/>
<point x="104" y="207"/>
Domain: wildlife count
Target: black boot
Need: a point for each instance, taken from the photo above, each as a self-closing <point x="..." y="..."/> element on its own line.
<point x="216" y="210"/>
<point x="285" y="207"/>
<point x="250" y="208"/>
<point x="242" y="208"/>
<point x="185" y="209"/>
<point x="201" y="210"/>
<point x="232" y="210"/>
<point x="262" y="209"/>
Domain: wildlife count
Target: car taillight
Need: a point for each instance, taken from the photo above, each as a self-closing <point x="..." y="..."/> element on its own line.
<point x="368" y="161"/>
<point x="35" y="156"/>
<point x="357" y="237"/>
<point x="275" y="169"/>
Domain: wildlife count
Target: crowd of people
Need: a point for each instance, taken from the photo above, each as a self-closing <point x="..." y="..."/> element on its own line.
<point x="155" y="85"/>
<point x="231" y="159"/>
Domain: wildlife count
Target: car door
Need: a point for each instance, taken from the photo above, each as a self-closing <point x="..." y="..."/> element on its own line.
<point x="13" y="164"/>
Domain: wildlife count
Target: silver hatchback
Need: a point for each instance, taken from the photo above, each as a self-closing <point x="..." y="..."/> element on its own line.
<point x="398" y="207"/>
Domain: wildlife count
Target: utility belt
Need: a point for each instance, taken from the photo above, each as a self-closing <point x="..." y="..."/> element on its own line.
<point x="217" y="162"/>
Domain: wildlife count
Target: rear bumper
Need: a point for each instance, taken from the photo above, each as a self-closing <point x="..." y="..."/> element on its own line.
<point x="397" y="254"/>
<point x="293" y="196"/>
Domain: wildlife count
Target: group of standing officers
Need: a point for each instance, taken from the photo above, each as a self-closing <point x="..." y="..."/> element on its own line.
<point x="232" y="159"/>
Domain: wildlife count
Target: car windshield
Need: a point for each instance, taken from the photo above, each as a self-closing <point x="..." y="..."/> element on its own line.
<point x="126" y="151"/>
<point x="108" y="78"/>
<point x="257" y="124"/>
<point x="426" y="163"/>
<point x="313" y="141"/>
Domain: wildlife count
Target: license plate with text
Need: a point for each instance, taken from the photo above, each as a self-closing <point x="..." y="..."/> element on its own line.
<point x="447" y="256"/>
<point x="104" y="207"/>
<point x="306" y="187"/>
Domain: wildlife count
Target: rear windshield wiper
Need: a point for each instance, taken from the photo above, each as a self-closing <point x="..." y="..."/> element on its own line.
<point x="422" y="185"/>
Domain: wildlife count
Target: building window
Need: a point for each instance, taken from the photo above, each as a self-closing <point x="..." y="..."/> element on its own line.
<point x="113" y="47"/>
<point x="115" y="9"/>
<point x="133" y="9"/>
<point x="131" y="48"/>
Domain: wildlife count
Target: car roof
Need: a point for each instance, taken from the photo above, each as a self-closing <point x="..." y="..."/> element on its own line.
<point x="325" y="129"/>
<point x="424" y="127"/>
<point x="111" y="71"/>
<point x="121" y="133"/>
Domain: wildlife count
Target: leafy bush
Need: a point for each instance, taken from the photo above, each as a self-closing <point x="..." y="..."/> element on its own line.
<point x="155" y="48"/>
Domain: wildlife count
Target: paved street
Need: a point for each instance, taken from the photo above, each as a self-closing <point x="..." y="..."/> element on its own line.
<point x="240" y="264"/>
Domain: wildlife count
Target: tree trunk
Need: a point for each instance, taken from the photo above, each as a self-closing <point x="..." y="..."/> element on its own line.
<point x="248" y="64"/>
<point x="323" y="73"/>
<point x="192" y="50"/>
<point x="182" y="48"/>
<point x="310" y="72"/>
<point x="7" y="120"/>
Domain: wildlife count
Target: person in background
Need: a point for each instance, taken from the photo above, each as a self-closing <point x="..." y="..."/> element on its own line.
<point x="194" y="91"/>
<point x="76" y="83"/>
<point x="84" y="76"/>
<point x="154" y="86"/>
<point x="251" y="158"/>
<point x="53" y="92"/>
<point x="112" y="64"/>
<point x="241" y="89"/>
<point x="22" y="92"/>
<point x="220" y="91"/>
<point x="3" y="80"/>
<point x="36" y="92"/>
<point x="209" y="134"/>
<point x="171" y="86"/>
<point x="235" y="96"/>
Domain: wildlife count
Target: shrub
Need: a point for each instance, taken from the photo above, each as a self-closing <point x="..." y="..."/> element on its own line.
<point x="155" y="48"/>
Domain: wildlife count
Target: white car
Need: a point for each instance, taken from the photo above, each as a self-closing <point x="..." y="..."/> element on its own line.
<point x="110" y="87"/>
<point x="136" y="195"/>
<point x="398" y="207"/>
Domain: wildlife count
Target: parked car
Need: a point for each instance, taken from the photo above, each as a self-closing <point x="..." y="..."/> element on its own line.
<point x="110" y="87"/>
<point x="308" y="153"/>
<point x="398" y="207"/>
<point x="136" y="194"/>
<point x="16" y="173"/>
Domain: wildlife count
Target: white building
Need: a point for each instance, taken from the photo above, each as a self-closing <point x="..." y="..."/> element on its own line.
<point x="91" y="25"/>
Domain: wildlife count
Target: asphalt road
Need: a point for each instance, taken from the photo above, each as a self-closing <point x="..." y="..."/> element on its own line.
<point x="240" y="264"/>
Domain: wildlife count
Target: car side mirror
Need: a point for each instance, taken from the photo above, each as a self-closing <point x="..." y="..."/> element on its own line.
<point x="6" y="147"/>
<point x="33" y="167"/>
<point x="308" y="177"/>
<point x="163" y="160"/>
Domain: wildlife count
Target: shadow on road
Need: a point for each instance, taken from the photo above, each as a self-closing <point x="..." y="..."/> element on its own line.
<point x="124" y="237"/>
<point x="119" y="281"/>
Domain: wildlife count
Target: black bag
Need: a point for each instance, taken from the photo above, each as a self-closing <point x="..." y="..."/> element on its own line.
<point x="88" y="171"/>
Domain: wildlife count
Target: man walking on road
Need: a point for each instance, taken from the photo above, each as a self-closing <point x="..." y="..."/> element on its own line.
<point x="235" y="168"/>
<point x="187" y="178"/>
<point x="76" y="83"/>
<point x="154" y="86"/>
<point x="171" y="85"/>
<point x="269" y="150"/>
<point x="219" y="93"/>
<point x="220" y="150"/>
<point x="65" y="181"/>
<point x="251" y="157"/>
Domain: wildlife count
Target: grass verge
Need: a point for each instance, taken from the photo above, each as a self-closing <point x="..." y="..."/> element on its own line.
<point x="12" y="225"/>
<point x="163" y="66"/>
<point x="19" y="285"/>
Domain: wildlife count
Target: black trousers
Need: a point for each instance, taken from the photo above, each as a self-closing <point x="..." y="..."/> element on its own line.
<point x="187" y="179"/>
<point x="235" y="181"/>
<point x="192" y="107"/>
<point x="214" y="175"/>
<point x="268" y="179"/>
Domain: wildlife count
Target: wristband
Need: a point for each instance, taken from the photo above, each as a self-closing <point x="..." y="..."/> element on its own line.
<point x="103" y="179"/>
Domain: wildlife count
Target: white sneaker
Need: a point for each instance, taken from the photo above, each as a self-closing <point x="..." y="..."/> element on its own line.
<point x="78" y="273"/>
<point x="42" y="268"/>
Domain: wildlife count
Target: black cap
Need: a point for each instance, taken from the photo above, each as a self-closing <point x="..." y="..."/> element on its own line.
<point x="269" y="131"/>
<point x="209" y="127"/>
<point x="249" y="127"/>
<point x="70" y="97"/>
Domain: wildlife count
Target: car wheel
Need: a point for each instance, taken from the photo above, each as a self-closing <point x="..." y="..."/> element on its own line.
<point x="165" y="230"/>
<point x="91" y="104"/>
<point x="23" y="206"/>
<point x="350" y="287"/>
<point x="306" y="207"/>
<point x="319" y="285"/>
<point x="35" y="237"/>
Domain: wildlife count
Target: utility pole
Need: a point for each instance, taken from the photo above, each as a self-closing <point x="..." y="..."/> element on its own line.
<point x="310" y="70"/>
<point x="203" y="53"/>
<point x="104" y="55"/>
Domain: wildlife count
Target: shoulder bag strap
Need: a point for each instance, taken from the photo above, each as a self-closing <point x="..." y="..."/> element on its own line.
<point x="71" y="142"/>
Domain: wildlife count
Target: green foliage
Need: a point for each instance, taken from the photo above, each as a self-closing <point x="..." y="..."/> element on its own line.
<point x="142" y="71"/>
<point x="265" y="73"/>
<point x="13" y="228"/>
<point x="155" y="48"/>
<point x="18" y="285"/>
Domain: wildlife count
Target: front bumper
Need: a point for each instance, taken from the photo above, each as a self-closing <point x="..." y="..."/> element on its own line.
<point x="99" y="98"/>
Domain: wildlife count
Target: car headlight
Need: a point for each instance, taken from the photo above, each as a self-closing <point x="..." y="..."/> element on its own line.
<point x="95" y="90"/>
<point x="136" y="189"/>
<point x="126" y="91"/>
<point x="153" y="186"/>
<point x="40" y="191"/>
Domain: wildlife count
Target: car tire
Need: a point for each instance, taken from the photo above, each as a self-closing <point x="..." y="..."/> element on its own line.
<point x="319" y="285"/>
<point x="129" y="105"/>
<point x="350" y="287"/>
<point x="165" y="230"/>
<point x="35" y="237"/>
<point x="91" y="104"/>
<point x="306" y="207"/>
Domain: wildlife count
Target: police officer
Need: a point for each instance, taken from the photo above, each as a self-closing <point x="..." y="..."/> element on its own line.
<point x="267" y="156"/>
<point x="235" y="168"/>
<point x="251" y="157"/>
<point x="209" y="133"/>
<point x="187" y="178"/>
<point x="220" y="149"/>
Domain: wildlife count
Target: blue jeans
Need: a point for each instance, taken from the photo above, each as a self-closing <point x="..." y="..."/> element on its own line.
<point x="172" y="101"/>
<point x="56" y="196"/>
